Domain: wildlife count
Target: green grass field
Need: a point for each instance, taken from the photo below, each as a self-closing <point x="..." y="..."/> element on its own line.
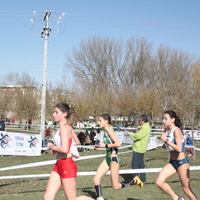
<point x="33" y="188"/>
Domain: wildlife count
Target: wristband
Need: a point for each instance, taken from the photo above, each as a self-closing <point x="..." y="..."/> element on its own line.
<point x="50" y="147"/>
<point x="166" y="140"/>
<point x="106" y="146"/>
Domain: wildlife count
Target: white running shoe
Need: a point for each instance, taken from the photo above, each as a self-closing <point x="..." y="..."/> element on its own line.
<point x="180" y="198"/>
<point x="100" y="198"/>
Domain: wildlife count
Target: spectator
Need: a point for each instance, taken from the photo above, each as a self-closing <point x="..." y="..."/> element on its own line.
<point x="20" y="124"/>
<point x="29" y="123"/>
<point x="2" y="124"/>
<point x="141" y="140"/>
<point x="87" y="140"/>
<point x="81" y="137"/>
<point x="50" y="124"/>
<point x="98" y="130"/>
<point x="48" y="132"/>
<point x="92" y="135"/>
<point x="189" y="142"/>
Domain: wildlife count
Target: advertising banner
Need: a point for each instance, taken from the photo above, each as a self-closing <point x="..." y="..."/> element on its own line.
<point x="124" y="138"/>
<point x="153" y="142"/>
<point x="20" y="144"/>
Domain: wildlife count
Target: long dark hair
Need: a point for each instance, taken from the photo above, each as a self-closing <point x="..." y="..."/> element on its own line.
<point x="64" y="108"/>
<point x="177" y="121"/>
<point x="106" y="117"/>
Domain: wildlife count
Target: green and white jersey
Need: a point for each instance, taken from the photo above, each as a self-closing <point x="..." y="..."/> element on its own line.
<point x="107" y="140"/>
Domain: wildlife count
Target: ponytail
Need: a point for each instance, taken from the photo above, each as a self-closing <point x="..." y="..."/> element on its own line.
<point x="106" y="117"/>
<point x="177" y="121"/>
<point x="64" y="108"/>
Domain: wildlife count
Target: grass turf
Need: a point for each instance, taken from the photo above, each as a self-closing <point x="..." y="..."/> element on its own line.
<point x="33" y="188"/>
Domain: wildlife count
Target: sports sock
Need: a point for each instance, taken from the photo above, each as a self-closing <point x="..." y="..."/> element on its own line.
<point x="127" y="183"/>
<point x="98" y="190"/>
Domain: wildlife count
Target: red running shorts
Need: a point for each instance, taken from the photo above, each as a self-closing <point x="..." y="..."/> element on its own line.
<point x="66" y="168"/>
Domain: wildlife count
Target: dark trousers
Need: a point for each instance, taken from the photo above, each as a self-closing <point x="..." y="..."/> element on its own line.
<point x="138" y="163"/>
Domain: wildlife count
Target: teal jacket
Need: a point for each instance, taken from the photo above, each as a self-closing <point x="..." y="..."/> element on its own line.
<point x="141" y="138"/>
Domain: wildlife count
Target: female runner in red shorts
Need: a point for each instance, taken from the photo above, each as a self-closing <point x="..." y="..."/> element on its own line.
<point x="65" y="170"/>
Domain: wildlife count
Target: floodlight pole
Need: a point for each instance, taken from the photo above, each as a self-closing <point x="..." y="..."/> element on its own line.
<point x="45" y="35"/>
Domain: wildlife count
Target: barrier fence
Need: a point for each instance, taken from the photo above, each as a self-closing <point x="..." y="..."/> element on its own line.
<point x="24" y="144"/>
<point x="31" y="145"/>
<point x="51" y="162"/>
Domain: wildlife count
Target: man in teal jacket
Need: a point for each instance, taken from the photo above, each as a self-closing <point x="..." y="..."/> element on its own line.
<point x="140" y="144"/>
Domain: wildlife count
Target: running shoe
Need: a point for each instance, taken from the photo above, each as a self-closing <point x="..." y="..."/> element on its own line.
<point x="137" y="181"/>
<point x="100" y="198"/>
<point x="180" y="198"/>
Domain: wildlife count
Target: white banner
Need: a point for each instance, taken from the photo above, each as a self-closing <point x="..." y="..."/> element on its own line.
<point x="20" y="144"/>
<point x="153" y="142"/>
<point x="124" y="138"/>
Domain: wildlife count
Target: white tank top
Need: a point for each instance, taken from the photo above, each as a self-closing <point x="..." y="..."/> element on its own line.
<point x="56" y="138"/>
<point x="171" y="138"/>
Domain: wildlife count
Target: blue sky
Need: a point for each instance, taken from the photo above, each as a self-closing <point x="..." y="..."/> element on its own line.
<point x="173" y="23"/>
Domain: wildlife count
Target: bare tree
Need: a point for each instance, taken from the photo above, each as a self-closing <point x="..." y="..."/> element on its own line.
<point x="5" y="102"/>
<point x="106" y="68"/>
<point x="171" y="71"/>
<point x="127" y="79"/>
<point x="138" y="63"/>
<point x="189" y="102"/>
<point x="96" y="66"/>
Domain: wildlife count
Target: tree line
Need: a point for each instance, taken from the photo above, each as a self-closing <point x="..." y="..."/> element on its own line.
<point x="122" y="78"/>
